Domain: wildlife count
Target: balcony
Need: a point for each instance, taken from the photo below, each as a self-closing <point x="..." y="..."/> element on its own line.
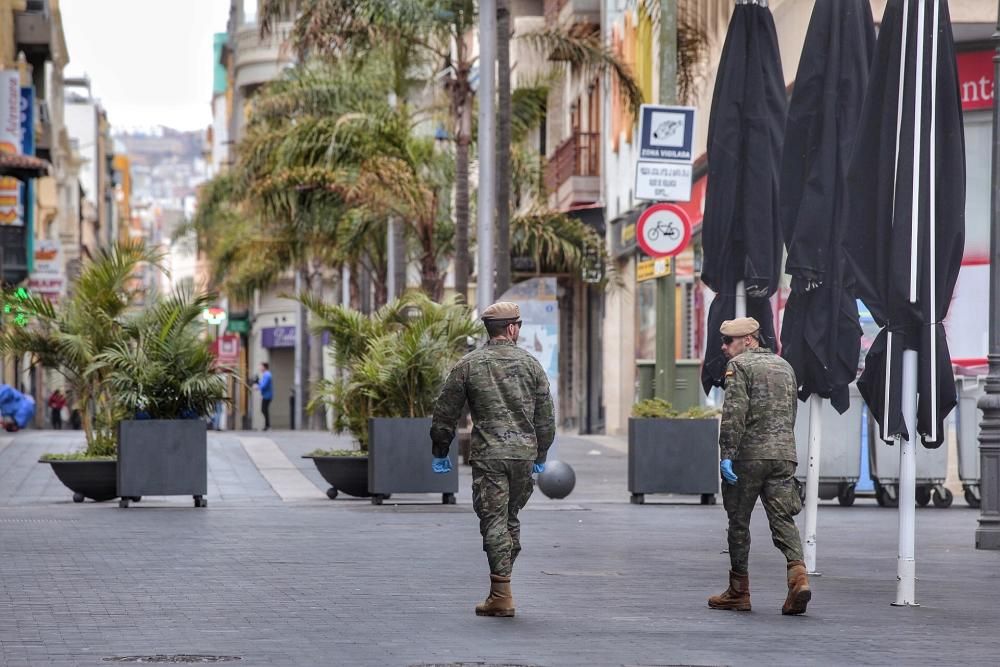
<point x="573" y="174"/>
<point x="33" y="29"/>
<point x="261" y="60"/>
<point x="566" y="13"/>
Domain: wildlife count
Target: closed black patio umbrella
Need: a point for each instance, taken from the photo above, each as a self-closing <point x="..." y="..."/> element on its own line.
<point x="741" y="232"/>
<point x="906" y="229"/>
<point x="820" y="333"/>
<point x="905" y="238"/>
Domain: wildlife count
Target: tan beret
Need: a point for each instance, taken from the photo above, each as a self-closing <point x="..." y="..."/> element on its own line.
<point x="502" y="310"/>
<point x="741" y="326"/>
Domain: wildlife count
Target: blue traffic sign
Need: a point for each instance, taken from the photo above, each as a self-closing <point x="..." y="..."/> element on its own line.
<point x="666" y="133"/>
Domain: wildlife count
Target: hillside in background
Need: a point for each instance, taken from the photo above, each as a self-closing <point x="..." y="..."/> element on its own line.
<point x="167" y="165"/>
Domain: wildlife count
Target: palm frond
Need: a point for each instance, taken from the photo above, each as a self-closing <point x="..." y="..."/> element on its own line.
<point x="554" y="240"/>
<point x="528" y="107"/>
<point x="590" y="55"/>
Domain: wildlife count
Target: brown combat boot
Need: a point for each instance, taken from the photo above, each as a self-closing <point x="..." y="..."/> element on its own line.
<point x="798" y="589"/>
<point x="736" y="597"/>
<point x="500" y="602"/>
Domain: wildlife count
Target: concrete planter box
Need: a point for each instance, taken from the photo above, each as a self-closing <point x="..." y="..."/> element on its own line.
<point x="163" y="457"/>
<point x="399" y="460"/>
<point x="673" y="456"/>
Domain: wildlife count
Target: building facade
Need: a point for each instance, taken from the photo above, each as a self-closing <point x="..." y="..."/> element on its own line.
<point x="245" y="61"/>
<point x="629" y="326"/>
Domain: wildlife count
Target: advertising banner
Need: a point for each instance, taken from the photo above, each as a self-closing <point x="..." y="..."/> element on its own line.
<point x="26" y="191"/>
<point x="10" y="142"/>
<point x="47" y="277"/>
<point x="48" y="256"/>
<point x="540" y="329"/>
<point x="227" y="350"/>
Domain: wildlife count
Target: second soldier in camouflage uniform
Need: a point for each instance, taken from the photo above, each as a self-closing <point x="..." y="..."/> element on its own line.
<point x="513" y="428"/>
<point x="757" y="451"/>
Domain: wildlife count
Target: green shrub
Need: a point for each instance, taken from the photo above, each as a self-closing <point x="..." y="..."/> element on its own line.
<point x="657" y="408"/>
<point x="78" y="456"/>
<point x="338" y="452"/>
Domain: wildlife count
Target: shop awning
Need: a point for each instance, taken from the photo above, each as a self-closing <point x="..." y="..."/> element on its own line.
<point x="23" y="167"/>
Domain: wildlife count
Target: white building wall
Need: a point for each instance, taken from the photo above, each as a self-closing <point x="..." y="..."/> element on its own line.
<point x="81" y="124"/>
<point x="220" y="135"/>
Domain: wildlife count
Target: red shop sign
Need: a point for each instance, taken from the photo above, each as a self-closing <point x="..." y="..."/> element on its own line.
<point x="975" y="79"/>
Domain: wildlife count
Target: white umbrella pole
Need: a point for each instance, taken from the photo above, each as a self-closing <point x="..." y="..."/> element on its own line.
<point x="906" y="562"/>
<point x="741" y="300"/>
<point x="812" y="482"/>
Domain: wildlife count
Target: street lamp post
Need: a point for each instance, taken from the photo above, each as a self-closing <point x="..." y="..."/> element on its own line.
<point x="988" y="532"/>
<point x="486" y="205"/>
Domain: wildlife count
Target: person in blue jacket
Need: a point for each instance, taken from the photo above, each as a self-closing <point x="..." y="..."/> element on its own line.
<point x="17" y="409"/>
<point x="266" y="393"/>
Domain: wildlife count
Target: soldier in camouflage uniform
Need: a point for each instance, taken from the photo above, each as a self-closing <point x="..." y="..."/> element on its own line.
<point x="757" y="448"/>
<point x="513" y="428"/>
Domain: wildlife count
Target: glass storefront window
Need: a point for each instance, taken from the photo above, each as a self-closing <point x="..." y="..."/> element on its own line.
<point x="645" y="343"/>
<point x="978" y="147"/>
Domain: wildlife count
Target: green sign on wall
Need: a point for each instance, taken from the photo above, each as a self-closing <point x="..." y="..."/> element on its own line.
<point x="238" y="326"/>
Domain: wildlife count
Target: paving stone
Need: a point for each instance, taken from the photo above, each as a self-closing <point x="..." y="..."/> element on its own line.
<point x="601" y="583"/>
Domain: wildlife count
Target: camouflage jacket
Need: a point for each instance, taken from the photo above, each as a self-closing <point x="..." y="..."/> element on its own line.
<point x="758" y="414"/>
<point x="508" y="395"/>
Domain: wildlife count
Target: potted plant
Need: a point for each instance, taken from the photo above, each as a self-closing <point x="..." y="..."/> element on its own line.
<point x="163" y="374"/>
<point x="392" y="365"/>
<point x="68" y="338"/>
<point x="82" y="338"/>
<point x="672" y="452"/>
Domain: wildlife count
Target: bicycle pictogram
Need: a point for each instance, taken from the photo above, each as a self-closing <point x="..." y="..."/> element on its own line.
<point x="667" y="228"/>
<point x="663" y="230"/>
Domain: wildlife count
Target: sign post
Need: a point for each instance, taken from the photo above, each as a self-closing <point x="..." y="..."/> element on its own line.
<point x="664" y="173"/>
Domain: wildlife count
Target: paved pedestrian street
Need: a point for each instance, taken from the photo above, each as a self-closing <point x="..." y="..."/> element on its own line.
<point x="273" y="573"/>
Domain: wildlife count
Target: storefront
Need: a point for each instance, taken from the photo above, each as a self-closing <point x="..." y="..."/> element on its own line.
<point x="690" y="304"/>
<point x="966" y="323"/>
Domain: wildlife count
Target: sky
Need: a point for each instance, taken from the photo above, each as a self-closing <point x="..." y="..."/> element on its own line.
<point x="149" y="61"/>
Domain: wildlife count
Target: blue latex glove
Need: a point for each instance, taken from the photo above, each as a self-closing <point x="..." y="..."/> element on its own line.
<point x="538" y="467"/>
<point x="441" y="465"/>
<point x="726" y="466"/>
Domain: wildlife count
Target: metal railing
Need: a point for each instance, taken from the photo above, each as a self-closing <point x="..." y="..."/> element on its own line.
<point x="579" y="155"/>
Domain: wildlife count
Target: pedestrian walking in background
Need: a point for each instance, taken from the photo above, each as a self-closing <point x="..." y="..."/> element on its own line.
<point x="266" y="388"/>
<point x="757" y="446"/>
<point x="513" y="426"/>
<point x="57" y="401"/>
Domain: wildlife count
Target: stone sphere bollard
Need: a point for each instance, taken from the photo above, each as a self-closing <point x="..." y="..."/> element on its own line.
<point x="557" y="480"/>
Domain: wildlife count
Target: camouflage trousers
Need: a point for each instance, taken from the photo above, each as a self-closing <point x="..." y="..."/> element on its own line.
<point x="500" y="488"/>
<point x="774" y="483"/>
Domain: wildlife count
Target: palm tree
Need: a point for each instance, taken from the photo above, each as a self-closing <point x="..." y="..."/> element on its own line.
<point x="71" y="337"/>
<point x="162" y="368"/>
<point x="419" y="36"/>
<point x="326" y="160"/>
